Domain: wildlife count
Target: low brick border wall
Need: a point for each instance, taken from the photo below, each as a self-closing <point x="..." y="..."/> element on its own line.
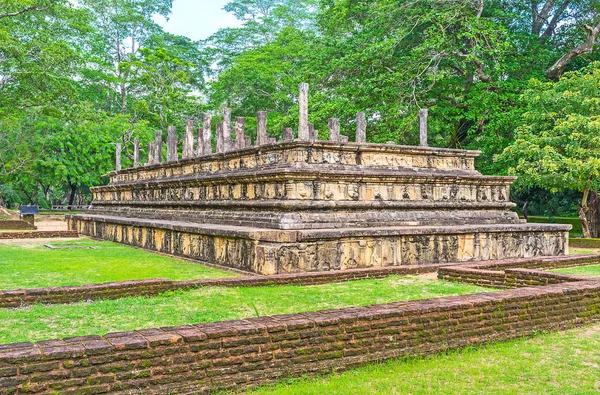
<point x="509" y="278"/>
<point x="241" y="354"/>
<point x="60" y="295"/>
<point x="39" y="234"/>
<point x="115" y="290"/>
<point x="15" y="224"/>
<point x="512" y="273"/>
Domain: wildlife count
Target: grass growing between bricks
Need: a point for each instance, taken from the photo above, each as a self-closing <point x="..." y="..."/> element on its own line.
<point x="41" y="322"/>
<point x="28" y="264"/>
<point x="558" y="363"/>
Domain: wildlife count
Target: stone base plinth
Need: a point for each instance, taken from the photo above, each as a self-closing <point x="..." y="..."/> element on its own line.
<point x="271" y="251"/>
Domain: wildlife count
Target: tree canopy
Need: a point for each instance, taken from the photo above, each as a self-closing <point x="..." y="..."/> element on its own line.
<point x="76" y="78"/>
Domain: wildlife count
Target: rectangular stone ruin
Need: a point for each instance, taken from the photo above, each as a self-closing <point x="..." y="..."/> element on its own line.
<point x="305" y="205"/>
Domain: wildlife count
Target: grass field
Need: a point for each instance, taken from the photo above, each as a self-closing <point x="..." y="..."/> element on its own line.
<point x="557" y="363"/>
<point x="29" y="264"/>
<point x="41" y="322"/>
<point x="592" y="270"/>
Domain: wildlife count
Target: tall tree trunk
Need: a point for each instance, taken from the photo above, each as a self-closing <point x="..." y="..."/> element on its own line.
<point x="582" y="214"/>
<point x="72" y="194"/>
<point x="593" y="214"/>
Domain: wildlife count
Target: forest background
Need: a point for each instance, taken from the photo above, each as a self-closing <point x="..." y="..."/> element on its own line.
<point x="516" y="79"/>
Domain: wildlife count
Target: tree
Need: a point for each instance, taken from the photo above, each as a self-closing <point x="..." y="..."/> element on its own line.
<point x="262" y="21"/>
<point x="121" y="27"/>
<point x="165" y="81"/>
<point x="558" y="146"/>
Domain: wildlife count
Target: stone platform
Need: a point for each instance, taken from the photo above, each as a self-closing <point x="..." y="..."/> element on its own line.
<point x="301" y="206"/>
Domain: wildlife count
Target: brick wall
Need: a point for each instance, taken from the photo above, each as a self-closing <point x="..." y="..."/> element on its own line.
<point x="40" y="234"/>
<point x="15" y="225"/>
<point x="239" y="354"/>
<point x="469" y="273"/>
<point x="509" y="278"/>
<point x="116" y="290"/>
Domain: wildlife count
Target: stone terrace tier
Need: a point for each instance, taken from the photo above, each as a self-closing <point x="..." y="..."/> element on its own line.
<point x="322" y="153"/>
<point x="309" y="185"/>
<point x="303" y="206"/>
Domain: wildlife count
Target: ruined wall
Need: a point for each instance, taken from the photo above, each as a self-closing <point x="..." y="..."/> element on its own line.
<point x="280" y="252"/>
<point x="239" y="354"/>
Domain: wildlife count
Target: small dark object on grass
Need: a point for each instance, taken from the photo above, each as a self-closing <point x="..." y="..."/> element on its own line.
<point x="70" y="247"/>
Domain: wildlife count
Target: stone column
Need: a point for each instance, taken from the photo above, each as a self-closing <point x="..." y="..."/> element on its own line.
<point x="118" y="156"/>
<point x="188" y="140"/>
<point x="240" y="133"/>
<point x="200" y="142"/>
<point x="334" y="129"/>
<point x="172" y="154"/>
<point x="158" y="143"/>
<point x="288" y="134"/>
<point x="136" y="152"/>
<point x="423" y="126"/>
<point x="303" y="104"/>
<point x="220" y="138"/>
<point x="206" y="135"/>
<point x="261" y="128"/>
<point x="361" y="127"/>
<point x="227" y="143"/>
<point x="151" y="152"/>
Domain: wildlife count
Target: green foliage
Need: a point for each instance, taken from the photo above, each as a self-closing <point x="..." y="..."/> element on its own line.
<point x="77" y="78"/>
<point x="558" y="145"/>
<point x="107" y="65"/>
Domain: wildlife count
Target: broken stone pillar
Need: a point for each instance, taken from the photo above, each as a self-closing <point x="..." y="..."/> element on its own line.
<point x="423" y="126"/>
<point x="220" y="138"/>
<point x="261" y="128"/>
<point x="334" y="129"/>
<point x="288" y="134"/>
<point x="227" y="143"/>
<point x="172" y="154"/>
<point x="248" y="140"/>
<point x="136" y="152"/>
<point x="158" y="143"/>
<point x="188" y="140"/>
<point x="206" y="135"/>
<point x="361" y="127"/>
<point x="303" y="104"/>
<point x="118" y="157"/>
<point x="311" y="131"/>
<point x="240" y="137"/>
<point x="151" y="151"/>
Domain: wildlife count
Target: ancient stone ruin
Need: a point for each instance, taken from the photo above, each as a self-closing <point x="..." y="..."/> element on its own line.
<point x="303" y="205"/>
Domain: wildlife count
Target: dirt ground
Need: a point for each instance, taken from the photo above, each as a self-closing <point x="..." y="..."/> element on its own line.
<point x="50" y="222"/>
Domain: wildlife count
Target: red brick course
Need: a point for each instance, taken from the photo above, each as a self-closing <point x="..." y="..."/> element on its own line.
<point x="514" y="274"/>
<point x="15" y="224"/>
<point x="39" y="234"/>
<point x="246" y="353"/>
<point x="509" y="278"/>
<point x="116" y="290"/>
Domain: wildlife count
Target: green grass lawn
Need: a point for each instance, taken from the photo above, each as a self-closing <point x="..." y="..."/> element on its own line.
<point x="41" y="322"/>
<point x="30" y="265"/>
<point x="557" y="363"/>
<point x="591" y="270"/>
